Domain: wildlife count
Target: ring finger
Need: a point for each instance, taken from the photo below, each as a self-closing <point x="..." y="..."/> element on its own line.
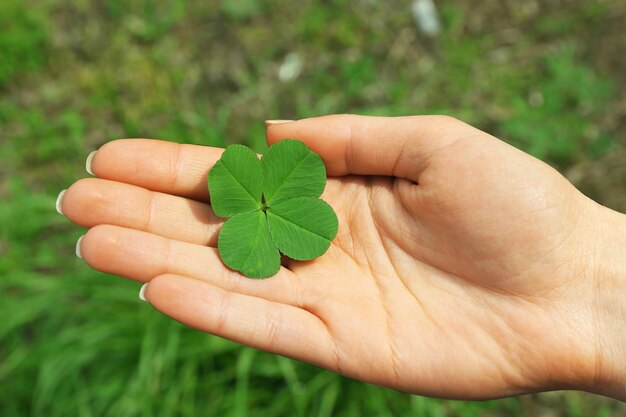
<point x="141" y="256"/>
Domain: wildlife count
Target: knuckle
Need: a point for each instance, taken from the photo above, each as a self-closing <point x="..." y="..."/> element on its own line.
<point x="148" y="209"/>
<point x="173" y="166"/>
<point x="221" y="319"/>
<point x="272" y="331"/>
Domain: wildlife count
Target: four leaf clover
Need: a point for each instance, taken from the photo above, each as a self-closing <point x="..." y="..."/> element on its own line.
<point x="272" y="206"/>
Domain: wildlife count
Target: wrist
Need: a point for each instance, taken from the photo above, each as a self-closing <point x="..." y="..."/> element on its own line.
<point x="609" y="304"/>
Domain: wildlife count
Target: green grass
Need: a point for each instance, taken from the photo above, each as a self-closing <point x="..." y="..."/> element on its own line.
<point x="75" y="74"/>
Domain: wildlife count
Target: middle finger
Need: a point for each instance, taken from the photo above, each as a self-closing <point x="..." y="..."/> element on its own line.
<point x="91" y="201"/>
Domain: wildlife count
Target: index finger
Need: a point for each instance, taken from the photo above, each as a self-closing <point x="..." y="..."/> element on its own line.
<point x="157" y="165"/>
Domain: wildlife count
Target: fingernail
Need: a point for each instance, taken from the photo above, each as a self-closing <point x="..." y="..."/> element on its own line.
<point x="142" y="293"/>
<point x="88" y="162"/>
<point x="80" y="239"/>
<point x="268" y="123"/>
<point x="60" y="202"/>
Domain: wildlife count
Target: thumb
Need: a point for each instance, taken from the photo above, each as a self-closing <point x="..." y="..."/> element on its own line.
<point x="367" y="145"/>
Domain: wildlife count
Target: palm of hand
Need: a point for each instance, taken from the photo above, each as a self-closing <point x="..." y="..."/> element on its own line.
<point x="441" y="287"/>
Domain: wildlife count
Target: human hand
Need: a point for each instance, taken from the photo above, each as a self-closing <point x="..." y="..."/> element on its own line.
<point x="463" y="267"/>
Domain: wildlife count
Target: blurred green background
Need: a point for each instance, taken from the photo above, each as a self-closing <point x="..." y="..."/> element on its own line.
<point x="549" y="77"/>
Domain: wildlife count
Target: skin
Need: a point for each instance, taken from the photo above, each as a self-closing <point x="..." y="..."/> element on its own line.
<point x="463" y="267"/>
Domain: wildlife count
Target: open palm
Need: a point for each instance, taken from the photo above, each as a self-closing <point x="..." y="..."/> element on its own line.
<point x="451" y="274"/>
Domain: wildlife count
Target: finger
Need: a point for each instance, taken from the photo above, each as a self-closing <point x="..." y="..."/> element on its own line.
<point x="92" y="201"/>
<point x="394" y="146"/>
<point x="256" y="322"/>
<point x="157" y="165"/>
<point x="140" y="256"/>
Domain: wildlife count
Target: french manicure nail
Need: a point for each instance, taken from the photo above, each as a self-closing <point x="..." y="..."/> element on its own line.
<point x="59" y="202"/>
<point x="80" y="239"/>
<point x="268" y="123"/>
<point x="142" y="293"/>
<point x="88" y="162"/>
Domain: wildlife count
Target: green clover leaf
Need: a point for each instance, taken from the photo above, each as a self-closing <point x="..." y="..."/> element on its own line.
<point x="272" y="206"/>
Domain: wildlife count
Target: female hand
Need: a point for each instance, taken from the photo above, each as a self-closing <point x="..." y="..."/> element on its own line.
<point x="463" y="267"/>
